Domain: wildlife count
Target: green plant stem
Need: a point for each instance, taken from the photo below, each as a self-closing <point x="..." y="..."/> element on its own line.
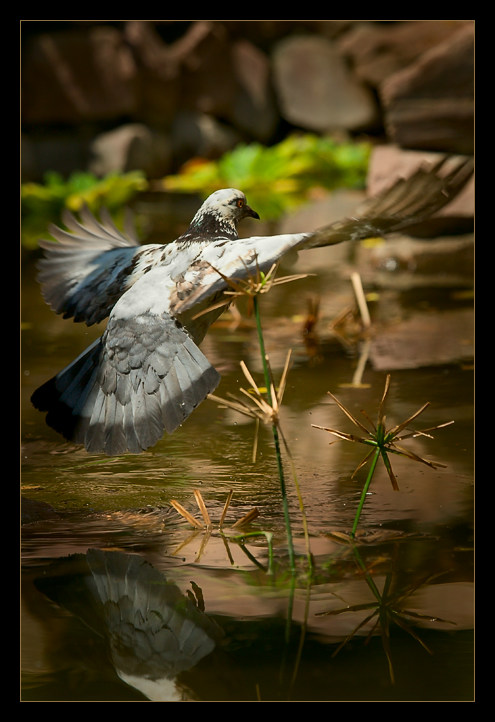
<point x="268" y="536"/>
<point x="369" y="579"/>
<point x="371" y="471"/>
<point x="276" y="439"/>
<point x="301" y="504"/>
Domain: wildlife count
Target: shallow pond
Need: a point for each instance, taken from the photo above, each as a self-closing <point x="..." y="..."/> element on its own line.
<point x="109" y="566"/>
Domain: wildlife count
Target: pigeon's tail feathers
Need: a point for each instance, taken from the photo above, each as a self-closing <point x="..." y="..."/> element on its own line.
<point x="84" y="271"/>
<point x="113" y="409"/>
<point x="64" y="396"/>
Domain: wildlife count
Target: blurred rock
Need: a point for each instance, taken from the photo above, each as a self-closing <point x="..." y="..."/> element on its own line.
<point x="33" y="511"/>
<point x="158" y="69"/>
<point x="208" y="81"/>
<point x="315" y="88"/>
<point x="438" y="252"/>
<point x="200" y="135"/>
<point x="131" y="147"/>
<point x="424" y="339"/>
<point x="404" y="262"/>
<point x="62" y="151"/>
<point x="315" y="214"/>
<point x="378" y="50"/>
<point x="254" y="108"/>
<point x="182" y="77"/>
<point x="389" y="162"/>
<point x="323" y="208"/>
<point x="212" y="84"/>
<point x="76" y="76"/>
<point x="430" y="103"/>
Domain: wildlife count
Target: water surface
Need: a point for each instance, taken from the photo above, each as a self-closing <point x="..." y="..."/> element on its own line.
<point x="94" y="620"/>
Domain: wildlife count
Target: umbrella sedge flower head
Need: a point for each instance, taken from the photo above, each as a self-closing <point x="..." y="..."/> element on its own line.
<point x="252" y="286"/>
<point x="253" y="402"/>
<point x="384" y="441"/>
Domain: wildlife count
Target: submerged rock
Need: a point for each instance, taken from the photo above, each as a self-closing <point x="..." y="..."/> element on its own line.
<point x="424" y="339"/>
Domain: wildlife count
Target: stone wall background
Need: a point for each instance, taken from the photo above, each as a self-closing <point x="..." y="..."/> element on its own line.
<point x="110" y="96"/>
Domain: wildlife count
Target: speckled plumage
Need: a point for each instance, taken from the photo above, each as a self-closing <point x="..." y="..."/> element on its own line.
<point x="146" y="374"/>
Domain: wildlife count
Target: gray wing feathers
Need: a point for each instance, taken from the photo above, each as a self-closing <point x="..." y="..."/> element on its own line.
<point x="151" y="377"/>
<point x="145" y="375"/>
<point x="407" y="202"/>
<point x="98" y="235"/>
<point x="84" y="272"/>
<point x="66" y="395"/>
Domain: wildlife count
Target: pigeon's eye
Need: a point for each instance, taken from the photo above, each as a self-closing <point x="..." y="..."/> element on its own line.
<point x="240" y="203"/>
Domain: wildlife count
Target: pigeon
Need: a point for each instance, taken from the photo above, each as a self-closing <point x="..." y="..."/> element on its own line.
<point x="146" y="374"/>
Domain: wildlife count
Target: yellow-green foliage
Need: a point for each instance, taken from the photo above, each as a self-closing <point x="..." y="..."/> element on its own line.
<point x="42" y="204"/>
<point x="277" y="178"/>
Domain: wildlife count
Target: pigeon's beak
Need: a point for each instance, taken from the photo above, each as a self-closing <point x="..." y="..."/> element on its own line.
<point x="248" y="211"/>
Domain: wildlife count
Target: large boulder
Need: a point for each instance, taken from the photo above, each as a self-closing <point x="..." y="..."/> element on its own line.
<point x="430" y="103"/>
<point x="199" y="135"/>
<point x="254" y="110"/>
<point x="183" y="77"/>
<point x="129" y="147"/>
<point x="377" y="50"/>
<point x="315" y="88"/>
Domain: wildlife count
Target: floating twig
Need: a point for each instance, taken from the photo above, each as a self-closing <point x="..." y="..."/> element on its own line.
<point x="361" y="299"/>
<point x="183" y="512"/>
<point x="202" y="507"/>
<point x="246" y="519"/>
<point x="225" y="508"/>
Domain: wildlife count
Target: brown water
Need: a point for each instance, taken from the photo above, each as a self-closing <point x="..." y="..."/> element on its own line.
<point x="273" y="636"/>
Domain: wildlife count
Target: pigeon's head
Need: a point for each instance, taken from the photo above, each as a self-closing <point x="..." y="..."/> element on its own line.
<point x="230" y="204"/>
<point x="221" y="212"/>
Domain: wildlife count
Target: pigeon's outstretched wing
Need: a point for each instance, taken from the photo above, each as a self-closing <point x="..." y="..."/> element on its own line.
<point x="403" y="205"/>
<point x="86" y="270"/>
<point x="143" y="376"/>
<point x="93" y="264"/>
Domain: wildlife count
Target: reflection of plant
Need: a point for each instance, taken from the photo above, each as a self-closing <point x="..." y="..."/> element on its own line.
<point x="207" y="526"/>
<point x="382" y="443"/>
<point x="387" y="609"/>
<point x="247" y="518"/>
<point x="279" y="177"/>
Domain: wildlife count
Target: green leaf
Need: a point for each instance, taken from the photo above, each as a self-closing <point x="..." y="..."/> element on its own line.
<point x="278" y="178"/>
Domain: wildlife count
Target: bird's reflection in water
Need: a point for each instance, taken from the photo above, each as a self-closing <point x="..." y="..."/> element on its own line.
<point x="154" y="631"/>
